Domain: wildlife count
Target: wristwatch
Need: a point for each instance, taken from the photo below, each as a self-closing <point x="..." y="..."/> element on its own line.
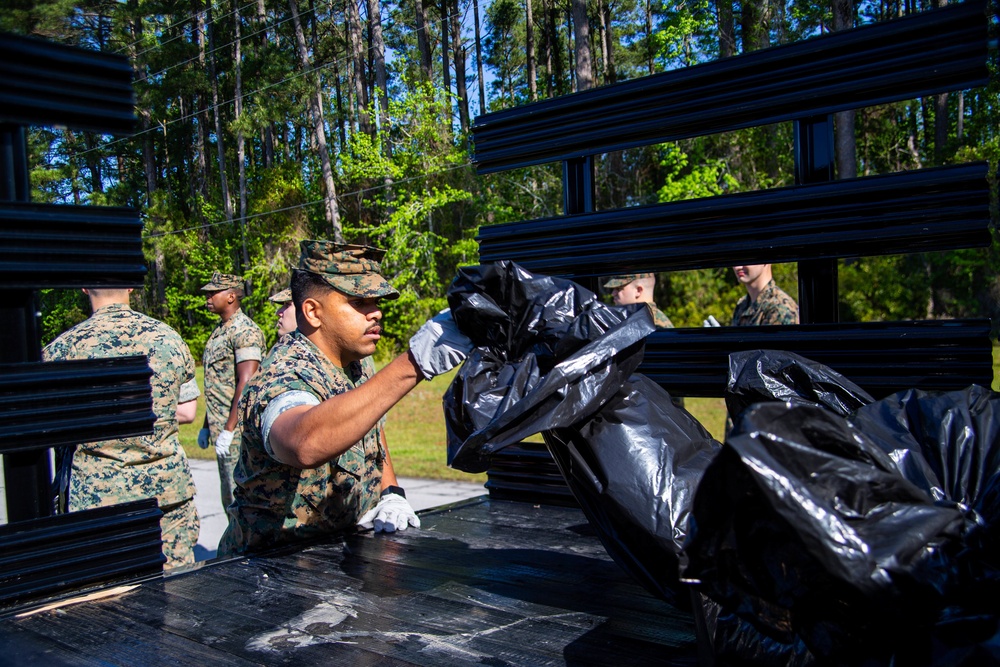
<point x="398" y="490"/>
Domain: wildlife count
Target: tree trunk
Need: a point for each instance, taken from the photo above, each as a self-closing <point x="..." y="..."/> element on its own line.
<point x="845" y="147"/>
<point x="610" y="75"/>
<point x="203" y="122"/>
<point x="529" y="47"/>
<point x="445" y="59"/>
<point x="148" y="154"/>
<point x="227" y="203"/>
<point x="267" y="131"/>
<point x="423" y="44"/>
<point x="549" y="13"/>
<point x="479" y="59"/>
<point x="461" y="90"/>
<point x="381" y="79"/>
<point x="755" y="21"/>
<point x="358" y="58"/>
<point x="240" y="140"/>
<point x="319" y="131"/>
<point x="727" y="37"/>
<point x="960" y="118"/>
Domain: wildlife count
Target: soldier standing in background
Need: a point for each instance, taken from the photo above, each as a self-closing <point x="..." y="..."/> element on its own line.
<point x="150" y="466"/>
<point x="765" y="302"/>
<point x="232" y="355"/>
<point x="638" y="288"/>
<point x="286" y="311"/>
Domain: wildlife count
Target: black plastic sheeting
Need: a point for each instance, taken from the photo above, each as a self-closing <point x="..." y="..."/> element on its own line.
<point x="831" y="529"/>
<point x="865" y="529"/>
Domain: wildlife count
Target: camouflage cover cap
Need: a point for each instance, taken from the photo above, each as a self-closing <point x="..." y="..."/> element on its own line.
<point x="284" y="296"/>
<point x="351" y="269"/>
<point x="221" y="281"/>
<point x="621" y="281"/>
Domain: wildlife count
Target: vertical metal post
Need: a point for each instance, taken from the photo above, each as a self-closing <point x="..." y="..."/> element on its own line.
<point x="814" y="162"/>
<point x="27" y="476"/>
<point x="578" y="197"/>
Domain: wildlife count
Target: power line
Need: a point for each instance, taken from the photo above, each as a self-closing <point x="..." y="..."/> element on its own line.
<point x="284" y="209"/>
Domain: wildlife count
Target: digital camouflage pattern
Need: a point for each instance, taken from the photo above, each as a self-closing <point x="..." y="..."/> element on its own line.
<point x="116" y="471"/>
<point x="660" y="319"/>
<point x="351" y="269"/>
<point x="773" y="306"/>
<point x="277" y="503"/>
<point x="235" y="340"/>
<point x="221" y="281"/>
<point x="616" y="282"/>
<point x="284" y="296"/>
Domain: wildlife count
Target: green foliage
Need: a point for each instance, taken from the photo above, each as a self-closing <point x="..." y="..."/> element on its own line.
<point x="61" y="309"/>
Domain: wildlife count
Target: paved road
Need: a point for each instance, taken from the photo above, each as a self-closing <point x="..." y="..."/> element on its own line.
<point x="422" y="494"/>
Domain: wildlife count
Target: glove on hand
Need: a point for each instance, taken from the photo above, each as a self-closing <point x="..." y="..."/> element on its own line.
<point x="438" y="346"/>
<point x="222" y="443"/>
<point x="203" y="438"/>
<point x="392" y="513"/>
<point x="711" y="322"/>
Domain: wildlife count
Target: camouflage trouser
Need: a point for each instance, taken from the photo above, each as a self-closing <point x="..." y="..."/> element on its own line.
<point x="226" y="466"/>
<point x="179" y="528"/>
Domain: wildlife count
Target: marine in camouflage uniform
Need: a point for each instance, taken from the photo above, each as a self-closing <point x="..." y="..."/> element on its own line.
<point x="773" y="306"/>
<point x="235" y="340"/>
<point x="276" y="503"/>
<point x="152" y="466"/>
<point x="641" y="292"/>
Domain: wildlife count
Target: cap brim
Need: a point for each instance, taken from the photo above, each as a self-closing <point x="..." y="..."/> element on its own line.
<point x="376" y="287"/>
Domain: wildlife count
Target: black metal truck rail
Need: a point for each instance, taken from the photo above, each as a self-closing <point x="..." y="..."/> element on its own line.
<point x="814" y="223"/>
<point x="68" y="552"/>
<point x="49" y="404"/>
<point x="47" y="245"/>
<point x="917" y="55"/>
<point x="926" y="210"/>
<point x="67" y="402"/>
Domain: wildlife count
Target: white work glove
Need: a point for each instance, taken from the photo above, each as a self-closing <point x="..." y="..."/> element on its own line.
<point x="711" y="322"/>
<point x="222" y="443"/>
<point x="203" y="438"/>
<point x="392" y="513"/>
<point x="438" y="346"/>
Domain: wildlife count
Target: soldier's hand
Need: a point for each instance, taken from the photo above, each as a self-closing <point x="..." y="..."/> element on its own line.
<point x="222" y="443"/>
<point x="203" y="438"/>
<point x="392" y="513"/>
<point x="438" y="346"/>
<point x="711" y="322"/>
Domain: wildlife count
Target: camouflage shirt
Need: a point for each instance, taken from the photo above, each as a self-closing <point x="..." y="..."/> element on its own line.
<point x="116" y="471"/>
<point x="773" y="306"/>
<point x="277" y="503"/>
<point x="660" y="319"/>
<point x="235" y="340"/>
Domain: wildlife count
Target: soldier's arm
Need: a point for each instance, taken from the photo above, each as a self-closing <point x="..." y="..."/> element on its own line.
<point x="186" y="412"/>
<point x="244" y="371"/>
<point x="307" y="436"/>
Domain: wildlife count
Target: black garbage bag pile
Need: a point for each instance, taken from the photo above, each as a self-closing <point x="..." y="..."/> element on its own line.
<point x="551" y="358"/>
<point x="865" y="531"/>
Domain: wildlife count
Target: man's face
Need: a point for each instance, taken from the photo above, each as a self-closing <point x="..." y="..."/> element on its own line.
<point x="626" y="295"/>
<point x="216" y="301"/>
<point x="748" y="273"/>
<point x="351" y="325"/>
<point x="286" y="319"/>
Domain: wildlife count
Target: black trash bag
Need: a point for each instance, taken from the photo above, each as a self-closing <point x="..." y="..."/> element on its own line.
<point x="757" y="376"/>
<point x="549" y="353"/>
<point x="552" y="358"/>
<point x="811" y="525"/>
<point x="634" y="467"/>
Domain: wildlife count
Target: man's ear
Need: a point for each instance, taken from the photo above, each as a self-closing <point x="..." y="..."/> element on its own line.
<point x="312" y="311"/>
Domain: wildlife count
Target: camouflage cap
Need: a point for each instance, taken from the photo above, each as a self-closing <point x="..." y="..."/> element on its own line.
<point x="221" y="281"/>
<point x="351" y="269"/>
<point x="284" y="296"/>
<point x="616" y="282"/>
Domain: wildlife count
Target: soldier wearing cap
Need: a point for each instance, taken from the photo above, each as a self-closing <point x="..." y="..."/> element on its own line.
<point x="286" y="311"/>
<point x="232" y="355"/>
<point x="314" y="459"/>
<point x="149" y="466"/>
<point x="638" y="288"/>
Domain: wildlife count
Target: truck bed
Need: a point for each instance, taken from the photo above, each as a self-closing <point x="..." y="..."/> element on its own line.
<point x="482" y="582"/>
